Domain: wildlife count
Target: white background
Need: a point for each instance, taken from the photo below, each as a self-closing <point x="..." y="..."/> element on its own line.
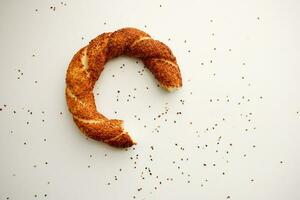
<point x="238" y="133"/>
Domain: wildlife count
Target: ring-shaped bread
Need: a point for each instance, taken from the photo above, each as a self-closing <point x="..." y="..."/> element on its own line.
<point x="87" y="65"/>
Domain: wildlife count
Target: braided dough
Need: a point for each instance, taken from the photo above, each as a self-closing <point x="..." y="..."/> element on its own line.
<point x="87" y="65"/>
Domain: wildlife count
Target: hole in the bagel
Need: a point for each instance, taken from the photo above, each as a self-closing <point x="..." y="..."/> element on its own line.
<point x="125" y="95"/>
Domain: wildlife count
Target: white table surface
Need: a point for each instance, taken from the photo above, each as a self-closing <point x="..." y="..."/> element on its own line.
<point x="238" y="134"/>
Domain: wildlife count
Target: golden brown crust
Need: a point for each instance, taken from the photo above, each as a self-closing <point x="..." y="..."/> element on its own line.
<point x="87" y="65"/>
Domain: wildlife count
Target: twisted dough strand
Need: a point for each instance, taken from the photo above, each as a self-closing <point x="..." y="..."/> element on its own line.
<point x="87" y="65"/>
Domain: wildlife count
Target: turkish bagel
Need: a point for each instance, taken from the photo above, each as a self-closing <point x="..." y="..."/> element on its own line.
<point x="87" y="65"/>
